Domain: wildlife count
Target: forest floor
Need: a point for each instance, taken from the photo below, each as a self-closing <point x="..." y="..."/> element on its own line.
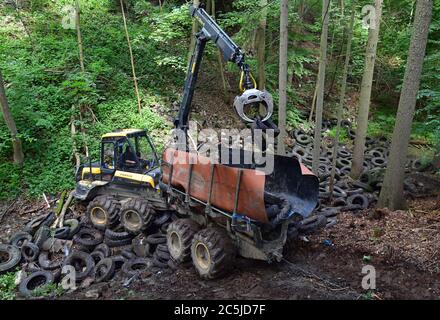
<point x="402" y="246"/>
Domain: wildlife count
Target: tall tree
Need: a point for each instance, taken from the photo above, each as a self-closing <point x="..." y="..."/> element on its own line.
<point x="195" y="27"/>
<point x="391" y="195"/>
<point x="133" y="69"/>
<point x="79" y="35"/>
<point x="16" y="142"/>
<point x="342" y="96"/>
<point x="320" y="85"/>
<point x="261" y="45"/>
<point x="282" y="74"/>
<point x="220" y="59"/>
<point x="365" y="94"/>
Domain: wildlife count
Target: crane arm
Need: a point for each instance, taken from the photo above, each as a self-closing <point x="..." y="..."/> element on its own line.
<point x="211" y="31"/>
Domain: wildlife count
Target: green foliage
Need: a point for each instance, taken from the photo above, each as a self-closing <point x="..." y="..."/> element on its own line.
<point x="293" y="118"/>
<point x="7" y="286"/>
<point x="45" y="86"/>
<point x="343" y="137"/>
<point x="52" y="290"/>
<point x="382" y="124"/>
<point x="44" y="82"/>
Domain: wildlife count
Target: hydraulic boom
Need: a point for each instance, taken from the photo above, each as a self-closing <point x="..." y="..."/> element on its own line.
<point x="231" y="52"/>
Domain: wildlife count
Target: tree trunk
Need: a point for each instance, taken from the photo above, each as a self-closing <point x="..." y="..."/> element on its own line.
<point x="320" y="85"/>
<point x="220" y="60"/>
<point x="195" y="27"/>
<point x="342" y="97"/>
<point x="10" y="123"/>
<point x="365" y="95"/>
<point x="79" y="36"/>
<point x="284" y="21"/>
<point x="133" y="69"/>
<point x="312" y="109"/>
<point x="81" y="63"/>
<point x="392" y="195"/>
<point x="261" y="45"/>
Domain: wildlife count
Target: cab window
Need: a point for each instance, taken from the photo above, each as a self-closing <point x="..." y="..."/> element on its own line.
<point x="108" y="155"/>
<point x="144" y="149"/>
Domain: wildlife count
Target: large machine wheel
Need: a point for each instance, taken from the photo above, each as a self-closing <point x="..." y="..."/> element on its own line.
<point x="136" y="215"/>
<point x="179" y="238"/>
<point x="103" y="212"/>
<point x="212" y="253"/>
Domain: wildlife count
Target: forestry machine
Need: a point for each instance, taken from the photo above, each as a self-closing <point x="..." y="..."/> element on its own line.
<point x="219" y="210"/>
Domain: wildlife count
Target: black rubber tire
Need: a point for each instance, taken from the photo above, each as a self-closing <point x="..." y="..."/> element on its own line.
<point x="343" y="153"/>
<point x="172" y="264"/>
<point x="129" y="255"/>
<point x="62" y="233"/>
<point x="74" y="226"/>
<point x="221" y="253"/>
<point x="119" y="261"/>
<point x="299" y="151"/>
<point x="117" y="243"/>
<point x="329" y="212"/>
<point x="88" y="237"/>
<point x="338" y="192"/>
<point x="13" y="255"/>
<point x="164" y="227"/>
<point x="358" y="199"/>
<point x="103" y="212"/>
<point x="343" y="162"/>
<point x="133" y="267"/>
<point x="156" y="238"/>
<point x="295" y="133"/>
<point x="159" y="262"/>
<point x="105" y="270"/>
<point x="35" y="280"/>
<point x="339" y="202"/>
<point x="105" y="249"/>
<point x="136" y="215"/>
<point x="112" y="235"/>
<point x="303" y="139"/>
<point x="312" y="224"/>
<point x="163" y="255"/>
<point x="379" y="162"/>
<point x="46" y="263"/>
<point x="82" y="262"/>
<point x="20" y="238"/>
<point x="30" y="251"/>
<point x="32" y="226"/>
<point x="42" y="234"/>
<point x="179" y="239"/>
<point x="97" y="256"/>
<point x="161" y="218"/>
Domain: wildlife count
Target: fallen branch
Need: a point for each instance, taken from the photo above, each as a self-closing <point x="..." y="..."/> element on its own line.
<point x="60" y="219"/>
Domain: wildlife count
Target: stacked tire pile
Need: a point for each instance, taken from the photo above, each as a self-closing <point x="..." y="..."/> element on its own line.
<point x="98" y="248"/>
<point x="347" y="195"/>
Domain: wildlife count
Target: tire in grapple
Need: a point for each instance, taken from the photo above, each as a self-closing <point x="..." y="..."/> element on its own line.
<point x="179" y="238"/>
<point x="136" y="215"/>
<point x="103" y="212"/>
<point x="212" y="253"/>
